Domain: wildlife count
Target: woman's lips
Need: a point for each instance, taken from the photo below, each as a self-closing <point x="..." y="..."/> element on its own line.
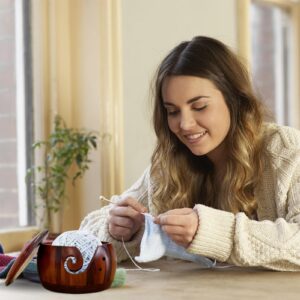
<point x="194" y="138"/>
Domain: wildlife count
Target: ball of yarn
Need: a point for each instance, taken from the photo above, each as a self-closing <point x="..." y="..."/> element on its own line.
<point x="84" y="241"/>
<point x="120" y="278"/>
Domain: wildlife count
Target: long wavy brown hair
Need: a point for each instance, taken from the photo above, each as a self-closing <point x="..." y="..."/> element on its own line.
<point x="182" y="179"/>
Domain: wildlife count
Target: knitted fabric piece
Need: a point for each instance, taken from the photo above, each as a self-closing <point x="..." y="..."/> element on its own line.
<point x="85" y="242"/>
<point x="4" y="269"/>
<point x="156" y="244"/>
<point x="30" y="272"/>
<point x="4" y="261"/>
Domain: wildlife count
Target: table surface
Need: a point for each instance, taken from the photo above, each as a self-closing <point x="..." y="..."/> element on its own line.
<point x="178" y="280"/>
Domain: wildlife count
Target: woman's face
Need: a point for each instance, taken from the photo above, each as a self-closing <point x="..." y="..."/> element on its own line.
<point x="197" y="115"/>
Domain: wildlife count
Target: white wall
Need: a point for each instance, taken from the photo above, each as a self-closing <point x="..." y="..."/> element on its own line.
<point x="151" y="28"/>
<point x="69" y="56"/>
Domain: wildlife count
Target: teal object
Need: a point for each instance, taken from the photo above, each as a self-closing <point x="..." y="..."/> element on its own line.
<point x="120" y="278"/>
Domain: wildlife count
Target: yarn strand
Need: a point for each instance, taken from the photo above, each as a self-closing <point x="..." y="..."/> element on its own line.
<point x="139" y="268"/>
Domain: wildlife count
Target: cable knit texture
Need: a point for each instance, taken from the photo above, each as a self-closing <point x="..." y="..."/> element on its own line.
<point x="272" y="241"/>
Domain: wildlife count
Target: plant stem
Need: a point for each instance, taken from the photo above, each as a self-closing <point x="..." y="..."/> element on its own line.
<point x="49" y="219"/>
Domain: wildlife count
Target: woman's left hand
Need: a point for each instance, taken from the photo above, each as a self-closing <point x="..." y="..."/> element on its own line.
<point x="179" y="224"/>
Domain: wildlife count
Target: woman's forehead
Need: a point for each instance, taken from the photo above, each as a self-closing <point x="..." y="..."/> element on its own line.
<point x="186" y="87"/>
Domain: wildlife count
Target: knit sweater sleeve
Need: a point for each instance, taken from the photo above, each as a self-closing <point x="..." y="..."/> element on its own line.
<point x="272" y="243"/>
<point x="96" y="222"/>
<point x="237" y="239"/>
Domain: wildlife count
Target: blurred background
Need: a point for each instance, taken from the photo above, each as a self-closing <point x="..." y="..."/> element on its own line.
<point x="92" y="62"/>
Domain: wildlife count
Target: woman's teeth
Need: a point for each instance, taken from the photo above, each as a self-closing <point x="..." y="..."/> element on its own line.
<point x="196" y="136"/>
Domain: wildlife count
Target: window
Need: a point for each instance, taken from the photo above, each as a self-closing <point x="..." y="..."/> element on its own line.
<point x="15" y="113"/>
<point x="271" y="46"/>
<point x="269" y="40"/>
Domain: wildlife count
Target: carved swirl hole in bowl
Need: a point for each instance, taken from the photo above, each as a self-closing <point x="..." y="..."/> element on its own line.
<point x="73" y="264"/>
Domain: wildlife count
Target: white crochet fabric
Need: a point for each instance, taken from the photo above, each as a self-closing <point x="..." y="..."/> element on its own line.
<point x="156" y="244"/>
<point x="85" y="242"/>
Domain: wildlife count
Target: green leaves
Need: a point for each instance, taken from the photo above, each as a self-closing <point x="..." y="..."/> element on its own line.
<point x="65" y="148"/>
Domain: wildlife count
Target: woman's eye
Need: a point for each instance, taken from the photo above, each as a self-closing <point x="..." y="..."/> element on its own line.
<point x="200" y="108"/>
<point x="172" y="112"/>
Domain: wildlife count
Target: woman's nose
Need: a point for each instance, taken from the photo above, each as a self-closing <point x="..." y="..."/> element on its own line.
<point x="187" y="122"/>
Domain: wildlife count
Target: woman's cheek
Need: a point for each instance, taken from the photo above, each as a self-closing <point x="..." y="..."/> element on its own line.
<point x="172" y="125"/>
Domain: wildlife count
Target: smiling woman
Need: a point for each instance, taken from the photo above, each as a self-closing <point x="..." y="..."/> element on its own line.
<point x="222" y="182"/>
<point x="206" y="67"/>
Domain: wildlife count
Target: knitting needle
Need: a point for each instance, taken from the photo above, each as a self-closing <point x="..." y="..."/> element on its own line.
<point x="110" y="201"/>
<point x="105" y="199"/>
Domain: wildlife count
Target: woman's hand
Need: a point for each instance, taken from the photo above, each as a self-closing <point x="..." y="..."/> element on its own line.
<point x="179" y="224"/>
<point x="125" y="219"/>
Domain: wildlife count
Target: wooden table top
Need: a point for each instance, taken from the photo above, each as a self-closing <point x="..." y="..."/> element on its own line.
<point x="178" y="280"/>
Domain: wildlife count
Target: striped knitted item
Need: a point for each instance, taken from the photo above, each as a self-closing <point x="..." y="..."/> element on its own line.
<point x="4" y="261"/>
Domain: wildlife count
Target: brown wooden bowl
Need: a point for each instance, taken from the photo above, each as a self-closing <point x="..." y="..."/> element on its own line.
<point x="97" y="277"/>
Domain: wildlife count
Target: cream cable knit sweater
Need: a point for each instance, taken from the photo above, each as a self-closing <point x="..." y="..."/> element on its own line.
<point x="272" y="242"/>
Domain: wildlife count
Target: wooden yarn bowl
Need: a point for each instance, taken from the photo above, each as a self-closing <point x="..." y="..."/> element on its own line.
<point x="97" y="277"/>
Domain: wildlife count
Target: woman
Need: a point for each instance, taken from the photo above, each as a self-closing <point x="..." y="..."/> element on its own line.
<point x="222" y="183"/>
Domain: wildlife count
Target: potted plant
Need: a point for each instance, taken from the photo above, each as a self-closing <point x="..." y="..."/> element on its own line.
<point x="65" y="158"/>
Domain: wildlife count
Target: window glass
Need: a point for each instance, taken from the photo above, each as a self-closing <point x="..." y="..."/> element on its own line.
<point x="271" y="57"/>
<point x="15" y="124"/>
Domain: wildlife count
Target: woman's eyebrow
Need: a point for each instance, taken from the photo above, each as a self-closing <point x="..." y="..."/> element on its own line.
<point x="194" y="99"/>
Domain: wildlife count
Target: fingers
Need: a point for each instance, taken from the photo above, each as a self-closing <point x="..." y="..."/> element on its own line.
<point x="125" y="211"/>
<point x="122" y="222"/>
<point x="173" y="217"/>
<point x="119" y="233"/>
<point x="173" y="230"/>
<point x="125" y="218"/>
<point x="170" y="220"/>
<point x="180" y="225"/>
<point x="180" y="240"/>
<point x="129" y="209"/>
<point x="179" y="211"/>
<point x="134" y="204"/>
<point x="183" y="231"/>
<point x="123" y="227"/>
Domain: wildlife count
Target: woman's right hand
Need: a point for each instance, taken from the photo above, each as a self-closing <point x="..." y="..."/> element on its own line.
<point x="125" y="219"/>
